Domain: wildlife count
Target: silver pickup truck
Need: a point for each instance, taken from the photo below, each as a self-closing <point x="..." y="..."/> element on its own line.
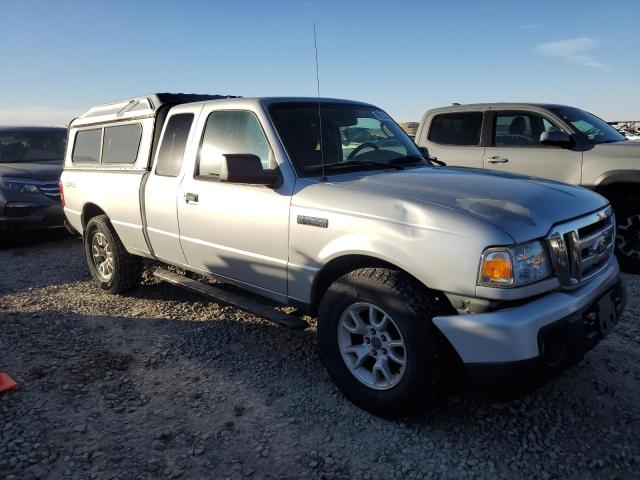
<point x="327" y="205"/>
<point x="557" y="142"/>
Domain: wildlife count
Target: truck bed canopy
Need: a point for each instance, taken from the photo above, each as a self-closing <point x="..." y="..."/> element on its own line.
<point x="138" y="107"/>
<point x="156" y="106"/>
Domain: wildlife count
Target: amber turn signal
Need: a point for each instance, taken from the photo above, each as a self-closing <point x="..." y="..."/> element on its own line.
<point x="496" y="269"/>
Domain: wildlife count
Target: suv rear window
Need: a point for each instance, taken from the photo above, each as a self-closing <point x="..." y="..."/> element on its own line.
<point x="86" y="148"/>
<point x="121" y="143"/>
<point x="173" y="144"/>
<point x="461" y="128"/>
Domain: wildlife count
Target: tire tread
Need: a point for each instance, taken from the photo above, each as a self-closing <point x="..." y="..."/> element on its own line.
<point x="129" y="266"/>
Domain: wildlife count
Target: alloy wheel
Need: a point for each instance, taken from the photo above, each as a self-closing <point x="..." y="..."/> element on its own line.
<point x="628" y="236"/>
<point x="102" y="256"/>
<point x="372" y="346"/>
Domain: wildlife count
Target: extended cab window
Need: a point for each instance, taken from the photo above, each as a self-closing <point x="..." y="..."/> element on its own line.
<point x="86" y="148"/>
<point x="121" y="143"/>
<point x="230" y="131"/>
<point x="459" y="128"/>
<point x="173" y="144"/>
<point x="520" y="129"/>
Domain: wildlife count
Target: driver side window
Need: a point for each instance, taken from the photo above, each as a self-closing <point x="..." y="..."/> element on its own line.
<point x="520" y="129"/>
<point x="231" y="131"/>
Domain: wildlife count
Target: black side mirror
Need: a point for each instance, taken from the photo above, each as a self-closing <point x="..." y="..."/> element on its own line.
<point x="425" y="154"/>
<point x="246" y="168"/>
<point x="556" y="138"/>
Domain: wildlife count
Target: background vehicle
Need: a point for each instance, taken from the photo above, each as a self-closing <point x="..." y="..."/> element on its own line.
<point x="402" y="261"/>
<point x="547" y="141"/>
<point x="30" y="167"/>
<point x="630" y="135"/>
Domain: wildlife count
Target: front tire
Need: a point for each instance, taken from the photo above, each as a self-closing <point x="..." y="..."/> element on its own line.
<point x="377" y="341"/>
<point x="113" y="269"/>
<point x="628" y="233"/>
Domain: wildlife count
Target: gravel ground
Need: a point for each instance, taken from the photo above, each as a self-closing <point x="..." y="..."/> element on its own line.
<point x="160" y="383"/>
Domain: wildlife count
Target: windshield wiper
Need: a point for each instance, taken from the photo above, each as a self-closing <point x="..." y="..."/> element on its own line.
<point x="352" y="164"/>
<point x="408" y="159"/>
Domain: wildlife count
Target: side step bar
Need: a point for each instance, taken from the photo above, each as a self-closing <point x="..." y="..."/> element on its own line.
<point x="232" y="299"/>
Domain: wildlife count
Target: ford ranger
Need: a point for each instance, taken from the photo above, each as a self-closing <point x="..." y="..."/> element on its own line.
<point x="549" y="141"/>
<point x="327" y="205"/>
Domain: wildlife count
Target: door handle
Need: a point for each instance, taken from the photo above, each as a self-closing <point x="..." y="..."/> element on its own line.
<point x="497" y="159"/>
<point x="191" y="197"/>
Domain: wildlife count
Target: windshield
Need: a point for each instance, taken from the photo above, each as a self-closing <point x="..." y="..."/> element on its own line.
<point x="354" y="137"/>
<point x="32" y="146"/>
<point x="595" y="129"/>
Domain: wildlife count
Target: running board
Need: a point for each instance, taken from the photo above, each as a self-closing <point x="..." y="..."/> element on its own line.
<point x="232" y="299"/>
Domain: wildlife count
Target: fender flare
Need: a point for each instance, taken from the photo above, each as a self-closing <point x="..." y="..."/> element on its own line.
<point x="617" y="176"/>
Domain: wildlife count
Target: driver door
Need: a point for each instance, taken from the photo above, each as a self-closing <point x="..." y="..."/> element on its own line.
<point x="516" y="148"/>
<point x="237" y="232"/>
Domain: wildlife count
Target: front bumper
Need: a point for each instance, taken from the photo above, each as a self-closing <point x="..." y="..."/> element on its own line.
<point x="31" y="216"/>
<point x="519" y="335"/>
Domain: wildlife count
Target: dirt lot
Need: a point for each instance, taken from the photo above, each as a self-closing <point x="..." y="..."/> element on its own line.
<point x="160" y="383"/>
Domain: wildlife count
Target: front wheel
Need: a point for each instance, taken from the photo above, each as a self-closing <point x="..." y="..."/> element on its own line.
<point x="628" y="234"/>
<point x="376" y="339"/>
<point x="113" y="268"/>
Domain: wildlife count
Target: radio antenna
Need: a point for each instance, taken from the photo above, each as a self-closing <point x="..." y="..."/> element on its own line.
<point x="315" y="46"/>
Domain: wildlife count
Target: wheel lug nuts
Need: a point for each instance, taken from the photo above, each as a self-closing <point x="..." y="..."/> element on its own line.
<point x="384" y="351"/>
<point x="383" y="338"/>
<point x="367" y="340"/>
<point x="373" y="332"/>
<point x="375" y="352"/>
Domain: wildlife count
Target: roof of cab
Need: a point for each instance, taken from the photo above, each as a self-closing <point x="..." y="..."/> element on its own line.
<point x="494" y="106"/>
<point x="148" y="105"/>
<point x="268" y="101"/>
<point x="138" y="107"/>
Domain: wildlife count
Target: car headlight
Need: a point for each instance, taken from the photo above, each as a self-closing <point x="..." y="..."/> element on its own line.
<point x="514" y="266"/>
<point x="19" y="185"/>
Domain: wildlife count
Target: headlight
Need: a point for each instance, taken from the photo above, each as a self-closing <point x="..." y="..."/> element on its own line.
<point x="19" y="185"/>
<point x="514" y="266"/>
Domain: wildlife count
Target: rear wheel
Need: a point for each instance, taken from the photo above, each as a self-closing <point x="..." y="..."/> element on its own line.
<point x="628" y="233"/>
<point x="377" y="341"/>
<point x="113" y="268"/>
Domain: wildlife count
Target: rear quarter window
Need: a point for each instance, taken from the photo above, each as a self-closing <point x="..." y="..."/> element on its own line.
<point x="173" y="144"/>
<point x="121" y="143"/>
<point x="86" y="148"/>
<point x="458" y="128"/>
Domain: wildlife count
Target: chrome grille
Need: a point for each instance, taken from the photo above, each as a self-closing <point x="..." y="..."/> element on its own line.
<point x="583" y="247"/>
<point x="50" y="189"/>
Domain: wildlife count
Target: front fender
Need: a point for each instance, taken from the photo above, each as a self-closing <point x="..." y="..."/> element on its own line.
<point x="376" y="247"/>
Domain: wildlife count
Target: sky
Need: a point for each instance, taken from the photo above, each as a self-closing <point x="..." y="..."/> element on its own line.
<point x="59" y="58"/>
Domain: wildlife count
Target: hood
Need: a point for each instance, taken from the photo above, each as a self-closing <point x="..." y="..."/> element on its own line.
<point x="34" y="171"/>
<point x="524" y="207"/>
<point x="623" y="150"/>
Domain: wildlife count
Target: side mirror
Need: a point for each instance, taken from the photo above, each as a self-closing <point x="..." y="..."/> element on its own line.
<point x="556" y="138"/>
<point x="425" y="154"/>
<point x="247" y="169"/>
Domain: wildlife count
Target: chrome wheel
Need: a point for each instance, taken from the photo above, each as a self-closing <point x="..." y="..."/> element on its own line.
<point x="628" y="236"/>
<point x="372" y="346"/>
<point x="102" y="256"/>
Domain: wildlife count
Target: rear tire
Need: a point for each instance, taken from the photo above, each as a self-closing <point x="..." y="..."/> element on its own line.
<point x="113" y="269"/>
<point x="628" y="233"/>
<point x="369" y="367"/>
